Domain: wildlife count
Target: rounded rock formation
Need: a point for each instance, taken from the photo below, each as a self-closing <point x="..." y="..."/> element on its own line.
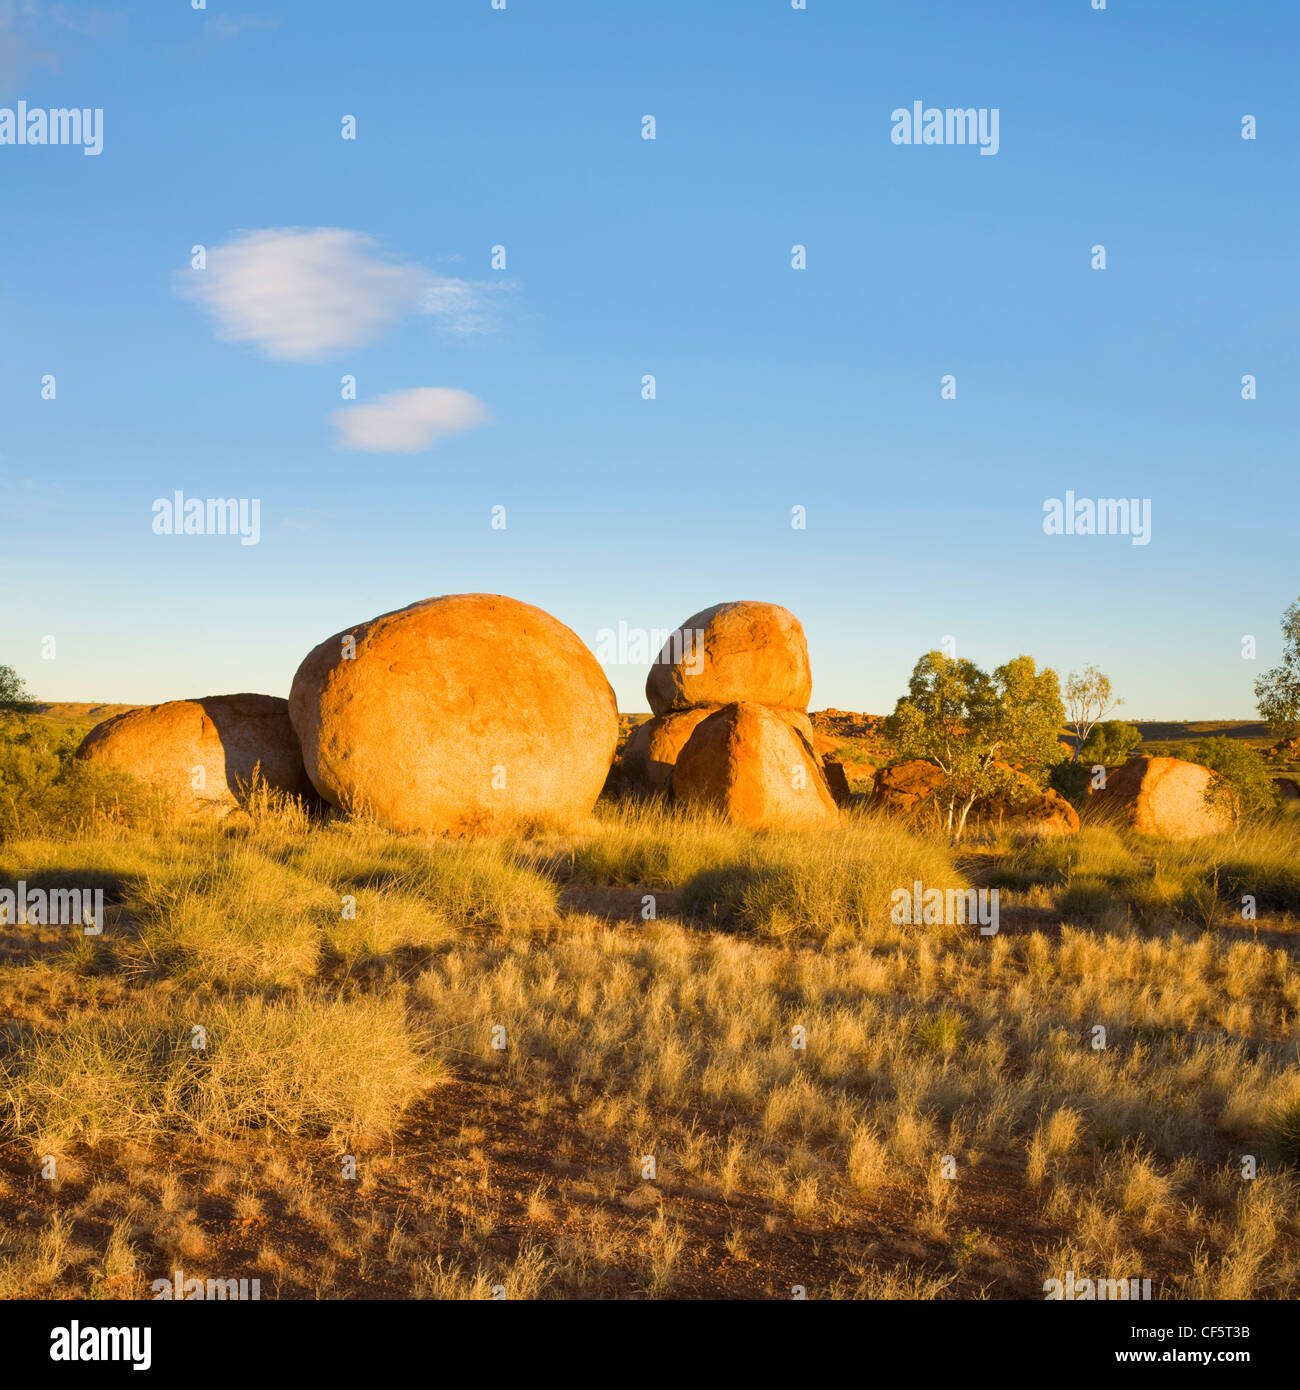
<point x="457" y="715"/>
<point x="742" y="651"/>
<point x="1158" y="796"/>
<point x="746" y="761"/>
<point x="201" y="754"/>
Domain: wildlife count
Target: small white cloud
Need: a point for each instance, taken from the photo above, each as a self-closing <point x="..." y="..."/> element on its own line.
<point x="464" y="306"/>
<point x="407" y="422"/>
<point x="304" y="294"/>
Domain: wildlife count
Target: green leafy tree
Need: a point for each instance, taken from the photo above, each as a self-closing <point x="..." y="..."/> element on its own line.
<point x="974" y="727"/>
<point x="1277" y="692"/>
<point x="1088" y="699"/>
<point x="1109" y="743"/>
<point x="1243" y="787"/>
<point x="14" y="695"/>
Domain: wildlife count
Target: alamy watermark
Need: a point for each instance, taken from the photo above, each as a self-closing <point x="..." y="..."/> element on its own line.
<point x="53" y="907"/>
<point x="1102" y="1290"/>
<point x="178" y="1288"/>
<point x="1103" y="516"/>
<point x="179" y="515"/>
<point x="59" y="125"/>
<point x="951" y="125"/>
<point x="949" y="907"/>
<point x="637" y="646"/>
<point x="77" y="1343"/>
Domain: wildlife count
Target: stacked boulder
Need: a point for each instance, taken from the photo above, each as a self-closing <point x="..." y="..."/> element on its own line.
<point x="730" y="729"/>
<point x="202" y="755"/>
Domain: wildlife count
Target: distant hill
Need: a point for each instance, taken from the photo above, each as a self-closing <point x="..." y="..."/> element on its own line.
<point x="1157" y="731"/>
<point x="75" y="718"/>
<point x="79" y="712"/>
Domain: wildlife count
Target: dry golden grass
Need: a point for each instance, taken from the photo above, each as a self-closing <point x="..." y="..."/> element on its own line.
<point x="795" y="1066"/>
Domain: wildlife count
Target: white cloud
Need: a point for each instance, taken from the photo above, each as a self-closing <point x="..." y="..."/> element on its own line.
<point x="407" y="422"/>
<point x="463" y="306"/>
<point x="219" y="30"/>
<point x="303" y="294"/>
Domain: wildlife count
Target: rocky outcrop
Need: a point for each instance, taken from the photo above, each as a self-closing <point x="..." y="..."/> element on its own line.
<point x="906" y="787"/>
<point x="1024" y="808"/>
<point x="734" y="653"/>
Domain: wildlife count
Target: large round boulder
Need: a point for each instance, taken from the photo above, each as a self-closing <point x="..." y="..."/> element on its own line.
<point x="458" y="715"/>
<point x="1158" y="796"/>
<point x="202" y="754"/>
<point x="748" y="763"/>
<point x="743" y="651"/>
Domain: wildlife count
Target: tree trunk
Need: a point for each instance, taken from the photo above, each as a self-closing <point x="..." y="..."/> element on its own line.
<point x="961" y="824"/>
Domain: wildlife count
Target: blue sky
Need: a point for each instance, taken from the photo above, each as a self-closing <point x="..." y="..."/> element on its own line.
<point x="775" y="387"/>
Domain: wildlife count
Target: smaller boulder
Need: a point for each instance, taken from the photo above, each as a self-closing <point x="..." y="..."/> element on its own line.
<point x="747" y="762"/>
<point x="201" y="754"/>
<point x="906" y="787"/>
<point x="1036" y="812"/>
<point x="652" y="749"/>
<point x="650" y="754"/>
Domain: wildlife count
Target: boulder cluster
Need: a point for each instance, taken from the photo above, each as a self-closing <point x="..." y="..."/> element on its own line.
<point x="730" y="729"/>
<point x="1164" y="797"/>
<point x="476" y="713"/>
